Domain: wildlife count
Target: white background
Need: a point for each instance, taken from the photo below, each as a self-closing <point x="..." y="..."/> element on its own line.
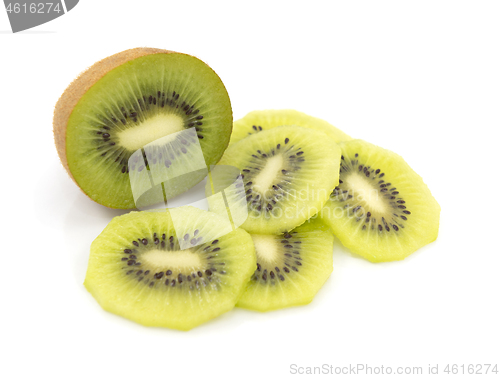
<point x="421" y="78"/>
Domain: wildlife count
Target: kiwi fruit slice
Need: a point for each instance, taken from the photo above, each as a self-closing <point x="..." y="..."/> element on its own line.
<point x="176" y="268"/>
<point x="381" y="209"/>
<point x="291" y="267"/>
<point x="130" y="100"/>
<point x="288" y="174"/>
<point x="260" y="120"/>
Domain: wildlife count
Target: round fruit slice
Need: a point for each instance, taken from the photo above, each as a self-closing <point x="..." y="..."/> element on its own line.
<point x="291" y="268"/>
<point x="130" y="100"/>
<point x="171" y="269"/>
<point x="288" y="174"/>
<point x="260" y="120"/>
<point x="381" y="210"/>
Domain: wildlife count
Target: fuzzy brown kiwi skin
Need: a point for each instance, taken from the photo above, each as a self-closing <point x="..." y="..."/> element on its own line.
<point x="70" y="97"/>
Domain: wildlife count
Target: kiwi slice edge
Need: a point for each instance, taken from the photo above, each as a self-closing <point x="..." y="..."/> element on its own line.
<point x="260" y="120"/>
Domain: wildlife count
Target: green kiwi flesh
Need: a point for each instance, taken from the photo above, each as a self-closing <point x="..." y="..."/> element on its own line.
<point x="260" y="120"/>
<point x="381" y="210"/>
<point x="291" y="267"/>
<point x="288" y="174"/>
<point x="133" y="105"/>
<point x="177" y="268"/>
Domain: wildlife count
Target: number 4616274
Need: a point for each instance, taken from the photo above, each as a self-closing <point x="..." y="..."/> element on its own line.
<point x="33" y="8"/>
<point x="471" y="369"/>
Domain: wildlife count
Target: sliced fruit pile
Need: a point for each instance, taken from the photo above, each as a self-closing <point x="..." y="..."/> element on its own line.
<point x="145" y="125"/>
<point x="379" y="208"/>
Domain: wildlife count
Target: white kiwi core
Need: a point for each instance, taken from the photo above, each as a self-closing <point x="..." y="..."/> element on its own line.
<point x="264" y="180"/>
<point x="172" y="259"/>
<point x="364" y="193"/>
<point x="150" y="130"/>
<point x="265" y="246"/>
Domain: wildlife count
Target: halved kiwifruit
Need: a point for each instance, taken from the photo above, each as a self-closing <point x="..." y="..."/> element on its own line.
<point x="381" y="209"/>
<point x="291" y="267"/>
<point x="130" y="100"/>
<point x="176" y="268"/>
